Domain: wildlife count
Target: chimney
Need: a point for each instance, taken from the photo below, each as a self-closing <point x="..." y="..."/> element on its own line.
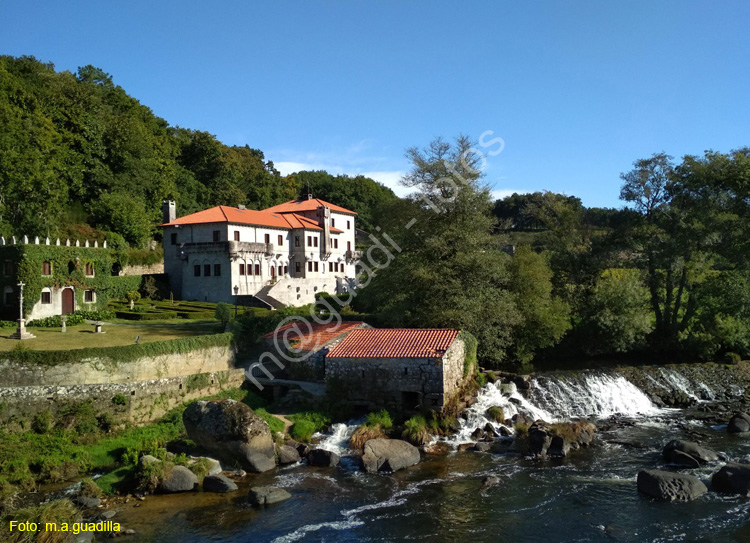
<point x="242" y="206"/>
<point x="309" y="196"/>
<point x="324" y="221"/>
<point x="168" y="211"/>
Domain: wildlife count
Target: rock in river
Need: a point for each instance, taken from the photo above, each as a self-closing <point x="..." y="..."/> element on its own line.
<point x="701" y="454"/>
<point x="389" y="455"/>
<point x="732" y="479"/>
<point x="231" y="432"/>
<point x="218" y="483"/>
<point x="739" y="423"/>
<point x="266" y="495"/>
<point x="322" y="458"/>
<point x="665" y="485"/>
<point x="179" y="479"/>
<point x="288" y="455"/>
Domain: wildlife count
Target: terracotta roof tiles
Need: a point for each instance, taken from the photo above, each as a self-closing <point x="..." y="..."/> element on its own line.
<point x="394" y="343"/>
<point x="300" y="336"/>
<point x="311" y="204"/>
<point x="221" y="214"/>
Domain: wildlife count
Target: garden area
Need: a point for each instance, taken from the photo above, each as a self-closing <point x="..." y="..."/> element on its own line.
<point x="82" y="336"/>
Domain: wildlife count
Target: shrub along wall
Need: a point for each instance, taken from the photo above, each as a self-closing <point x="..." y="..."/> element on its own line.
<point x="158" y="360"/>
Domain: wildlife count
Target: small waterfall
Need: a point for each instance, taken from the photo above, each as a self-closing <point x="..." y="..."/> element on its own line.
<point x="556" y="398"/>
<point x="592" y="395"/>
<point x="504" y="396"/>
<point x="679" y="382"/>
<point x="338" y="440"/>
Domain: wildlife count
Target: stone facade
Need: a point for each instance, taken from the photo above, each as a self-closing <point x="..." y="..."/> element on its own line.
<point x="401" y="385"/>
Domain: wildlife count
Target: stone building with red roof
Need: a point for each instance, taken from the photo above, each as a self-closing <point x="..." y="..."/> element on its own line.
<point x="402" y="370"/>
<point x="278" y="256"/>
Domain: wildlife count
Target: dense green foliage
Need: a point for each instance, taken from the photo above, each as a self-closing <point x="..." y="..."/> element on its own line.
<point x="77" y="151"/>
<point x="361" y="194"/>
<point x="80" y="267"/>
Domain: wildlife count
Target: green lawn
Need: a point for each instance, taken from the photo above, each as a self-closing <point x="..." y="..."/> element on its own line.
<point x="83" y="336"/>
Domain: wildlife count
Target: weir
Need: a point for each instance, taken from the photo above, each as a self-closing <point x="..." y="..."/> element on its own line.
<point x="627" y="392"/>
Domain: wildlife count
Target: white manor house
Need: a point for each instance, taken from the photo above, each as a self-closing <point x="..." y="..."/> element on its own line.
<point x="279" y="256"/>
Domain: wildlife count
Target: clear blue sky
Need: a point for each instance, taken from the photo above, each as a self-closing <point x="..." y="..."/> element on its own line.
<point x="577" y="89"/>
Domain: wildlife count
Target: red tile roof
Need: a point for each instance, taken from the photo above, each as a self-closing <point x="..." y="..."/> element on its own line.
<point x="295" y="206"/>
<point x="394" y="343"/>
<point x="300" y="336"/>
<point x="220" y="214"/>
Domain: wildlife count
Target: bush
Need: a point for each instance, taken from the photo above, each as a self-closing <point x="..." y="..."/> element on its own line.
<point x="732" y="358"/>
<point x="124" y="353"/>
<point x="302" y="430"/>
<point x="42" y="422"/>
<point x="223" y="313"/>
<point x="470" y="359"/>
<point x="119" y="399"/>
<point x="306" y="424"/>
<point x="496" y="414"/>
<point x="362" y="435"/>
<point x="275" y="424"/>
<point x="55" y="321"/>
<point x="90" y="489"/>
<point x="416" y="430"/>
<point x="137" y="316"/>
<point x="379" y="419"/>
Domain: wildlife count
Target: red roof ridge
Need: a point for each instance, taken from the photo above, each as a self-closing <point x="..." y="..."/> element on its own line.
<point x="395" y="343"/>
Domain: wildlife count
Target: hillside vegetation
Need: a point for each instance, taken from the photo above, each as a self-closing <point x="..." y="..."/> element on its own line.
<point x="81" y="158"/>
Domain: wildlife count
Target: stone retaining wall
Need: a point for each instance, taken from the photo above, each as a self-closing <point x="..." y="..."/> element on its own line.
<point x="145" y="401"/>
<point x="98" y="371"/>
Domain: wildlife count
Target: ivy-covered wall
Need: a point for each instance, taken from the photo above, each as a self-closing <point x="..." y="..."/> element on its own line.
<point x="68" y="266"/>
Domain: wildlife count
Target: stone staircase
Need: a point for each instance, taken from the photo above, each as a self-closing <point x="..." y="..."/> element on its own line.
<point x="264" y="296"/>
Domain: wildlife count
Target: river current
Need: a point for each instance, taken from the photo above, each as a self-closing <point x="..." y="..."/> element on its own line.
<point x="590" y="496"/>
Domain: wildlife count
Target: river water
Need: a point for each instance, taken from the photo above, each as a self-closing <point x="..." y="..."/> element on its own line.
<point x="590" y="496"/>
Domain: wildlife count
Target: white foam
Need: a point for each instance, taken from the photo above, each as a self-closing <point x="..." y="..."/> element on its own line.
<point x="299" y="533"/>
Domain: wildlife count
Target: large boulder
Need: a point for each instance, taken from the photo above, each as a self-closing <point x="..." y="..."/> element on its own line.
<point x="389" y="455"/>
<point x="665" y="485"/>
<point x="732" y="479"/>
<point x="540" y="438"/>
<point x="267" y="495"/>
<point x="288" y="455"/>
<point x="739" y="423"/>
<point x="701" y="454"/>
<point x="231" y="431"/>
<point x="322" y="458"/>
<point x="218" y="483"/>
<point x="178" y="479"/>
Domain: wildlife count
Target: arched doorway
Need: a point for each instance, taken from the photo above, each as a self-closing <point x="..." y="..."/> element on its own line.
<point x="68" y="301"/>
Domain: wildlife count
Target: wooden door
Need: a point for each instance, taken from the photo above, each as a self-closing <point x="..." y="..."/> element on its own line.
<point x="68" y="301"/>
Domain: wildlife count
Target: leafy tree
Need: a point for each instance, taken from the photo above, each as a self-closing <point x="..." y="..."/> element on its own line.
<point x="223" y="313"/>
<point x="616" y="318"/>
<point x="544" y="317"/>
<point x="450" y="271"/>
<point x="126" y="214"/>
<point x="368" y="197"/>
